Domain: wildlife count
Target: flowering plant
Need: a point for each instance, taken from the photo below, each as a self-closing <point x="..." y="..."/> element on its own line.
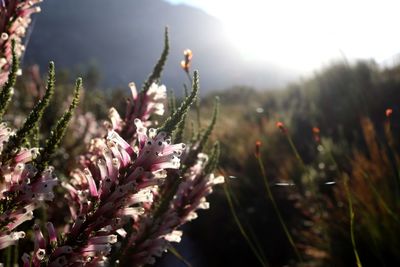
<point x="132" y="189"/>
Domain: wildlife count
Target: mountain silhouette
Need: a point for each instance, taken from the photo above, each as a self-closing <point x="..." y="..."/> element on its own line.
<point x="125" y="38"/>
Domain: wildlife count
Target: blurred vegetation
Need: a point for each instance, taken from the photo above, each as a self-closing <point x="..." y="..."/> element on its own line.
<point x="356" y="140"/>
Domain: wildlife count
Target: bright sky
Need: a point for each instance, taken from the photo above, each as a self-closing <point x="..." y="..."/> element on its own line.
<point x="304" y="34"/>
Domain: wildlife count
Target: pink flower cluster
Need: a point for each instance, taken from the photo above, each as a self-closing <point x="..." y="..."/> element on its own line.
<point x="15" y="17"/>
<point x="133" y="189"/>
<point x="153" y="235"/>
<point x="22" y="189"/>
<point x="112" y="190"/>
<point x="113" y="198"/>
<point x="141" y="106"/>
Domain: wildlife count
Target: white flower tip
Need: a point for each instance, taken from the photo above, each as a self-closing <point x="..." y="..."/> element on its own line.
<point x="4" y="37"/>
<point x="17" y="235"/>
<point x="219" y="180"/>
<point x="191" y="216"/>
<point x="204" y="205"/>
<point x="26" y="258"/>
<point x="132" y="85"/>
<point x="112" y="239"/>
<point x="174" y="236"/>
<point x="40" y="254"/>
<point x="122" y="232"/>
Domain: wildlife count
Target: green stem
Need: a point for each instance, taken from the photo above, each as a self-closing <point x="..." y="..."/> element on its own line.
<point x="189" y="77"/>
<point x="179" y="256"/>
<point x="380" y="198"/>
<point x="351" y="213"/>
<point x="252" y="234"/>
<point x="295" y="151"/>
<point x="240" y="226"/>
<point x="15" y="256"/>
<point x="276" y="209"/>
<point x="8" y="256"/>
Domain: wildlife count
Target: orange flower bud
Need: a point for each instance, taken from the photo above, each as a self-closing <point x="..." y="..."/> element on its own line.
<point x="185" y="64"/>
<point x="258" y="145"/>
<point x="389" y="112"/>
<point x="316" y="132"/>
<point x="281" y="127"/>
<point x="188" y="54"/>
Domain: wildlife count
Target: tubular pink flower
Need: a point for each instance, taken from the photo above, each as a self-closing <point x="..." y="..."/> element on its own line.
<point x="76" y="226"/>
<point x="153" y="234"/>
<point x="111" y="239"/>
<point x="10" y="239"/>
<point x="141" y="107"/>
<point x="116" y="122"/>
<point x="174" y="236"/>
<point x="18" y="186"/>
<point x="144" y="195"/>
<point x="113" y="136"/>
<point x="19" y="219"/>
<point x="60" y="262"/>
<point x="118" y="181"/>
<point x="26" y="259"/>
<point x="39" y="241"/>
<point x="52" y="234"/>
<point x="156" y="153"/>
<point x="14" y="20"/>
<point x="62" y="250"/>
<point x="91" y="183"/>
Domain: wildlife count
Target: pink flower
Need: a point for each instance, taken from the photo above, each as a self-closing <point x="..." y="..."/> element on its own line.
<point x="10" y="239"/>
<point x="21" y="186"/>
<point x="108" y="192"/>
<point x="189" y="197"/>
<point x="141" y="107"/>
<point x="15" y="19"/>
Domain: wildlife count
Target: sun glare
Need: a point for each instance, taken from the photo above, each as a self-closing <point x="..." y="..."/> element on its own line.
<point x="305" y="34"/>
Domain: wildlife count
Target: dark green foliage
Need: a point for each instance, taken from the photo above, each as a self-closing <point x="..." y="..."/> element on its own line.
<point x="179" y="130"/>
<point x="185" y="90"/>
<point x="7" y="91"/>
<point x="34" y="137"/>
<point x="202" y="138"/>
<point x="213" y="160"/>
<point x="158" y="68"/>
<point x="171" y="102"/>
<point x="208" y="131"/>
<point x="195" y="134"/>
<point x="58" y="132"/>
<point x="30" y="126"/>
<point x="198" y="112"/>
<point x="171" y="123"/>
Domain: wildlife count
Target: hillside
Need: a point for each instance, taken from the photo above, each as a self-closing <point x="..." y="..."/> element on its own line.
<point x="123" y="40"/>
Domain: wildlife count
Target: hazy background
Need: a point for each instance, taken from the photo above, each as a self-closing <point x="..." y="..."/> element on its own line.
<point x="124" y="38"/>
<point x="256" y="43"/>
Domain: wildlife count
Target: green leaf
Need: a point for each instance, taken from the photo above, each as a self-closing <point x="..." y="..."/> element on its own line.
<point x="7" y="91"/>
<point x="208" y="131"/>
<point x="58" y="131"/>
<point x="31" y="123"/>
<point x="158" y="68"/>
<point x="191" y="158"/>
<point x="178" y="138"/>
<point x="171" y="101"/>
<point x="213" y="160"/>
<point x="171" y="123"/>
